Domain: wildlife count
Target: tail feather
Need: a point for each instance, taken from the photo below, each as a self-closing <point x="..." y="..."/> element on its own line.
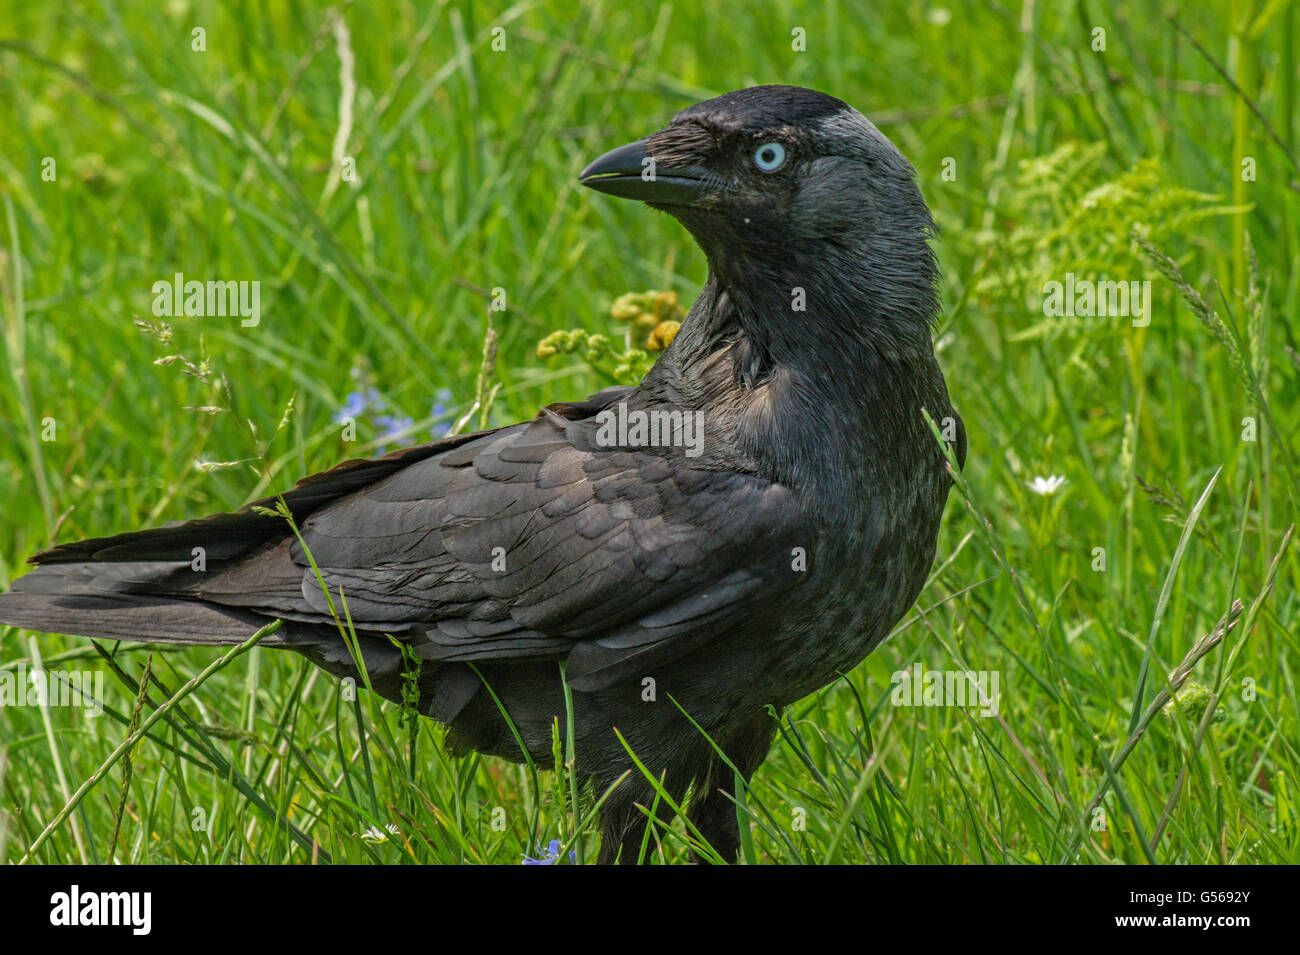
<point x="141" y="586"/>
<point x="127" y="616"/>
<point x="231" y="535"/>
<point x="134" y="586"/>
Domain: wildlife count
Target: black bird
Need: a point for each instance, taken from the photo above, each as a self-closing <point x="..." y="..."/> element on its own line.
<point x="724" y="572"/>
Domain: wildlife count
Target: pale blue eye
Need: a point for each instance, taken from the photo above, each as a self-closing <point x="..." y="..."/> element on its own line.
<point x="769" y="157"/>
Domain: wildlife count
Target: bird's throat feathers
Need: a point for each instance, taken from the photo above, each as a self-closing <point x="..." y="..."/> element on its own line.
<point x="833" y="319"/>
<point x="831" y="362"/>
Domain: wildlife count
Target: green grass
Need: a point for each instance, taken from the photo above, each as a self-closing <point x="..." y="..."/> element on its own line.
<point x="224" y="164"/>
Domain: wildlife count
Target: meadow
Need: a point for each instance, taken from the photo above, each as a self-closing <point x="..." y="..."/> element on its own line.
<point x="1119" y="552"/>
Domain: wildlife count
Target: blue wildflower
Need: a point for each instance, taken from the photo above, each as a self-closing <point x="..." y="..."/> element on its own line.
<point x="552" y="856"/>
<point x="439" y="410"/>
<point x="392" y="425"/>
<point x="357" y="403"/>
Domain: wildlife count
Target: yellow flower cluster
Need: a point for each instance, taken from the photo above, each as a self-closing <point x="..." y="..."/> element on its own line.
<point x="658" y="315"/>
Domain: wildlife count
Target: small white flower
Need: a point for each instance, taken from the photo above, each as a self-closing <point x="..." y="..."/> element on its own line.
<point x="1046" y="485"/>
<point x="375" y="835"/>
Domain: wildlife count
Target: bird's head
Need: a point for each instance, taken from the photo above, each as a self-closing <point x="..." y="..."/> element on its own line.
<point x="790" y="183"/>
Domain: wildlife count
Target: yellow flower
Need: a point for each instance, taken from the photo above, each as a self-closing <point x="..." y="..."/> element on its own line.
<point x="665" y="306"/>
<point x="662" y="336"/>
<point x="627" y="306"/>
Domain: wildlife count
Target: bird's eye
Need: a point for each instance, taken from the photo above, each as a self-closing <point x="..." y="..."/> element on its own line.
<point x="769" y="157"/>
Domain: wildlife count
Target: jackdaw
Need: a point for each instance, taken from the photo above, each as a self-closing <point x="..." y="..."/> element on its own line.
<point x="688" y="590"/>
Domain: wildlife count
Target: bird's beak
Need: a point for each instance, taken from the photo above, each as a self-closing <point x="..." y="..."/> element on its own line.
<point x="632" y="173"/>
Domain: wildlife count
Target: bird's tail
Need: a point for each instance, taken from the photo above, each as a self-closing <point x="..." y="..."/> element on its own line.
<point x="144" y="601"/>
<point x="139" y="586"/>
<point x="121" y="601"/>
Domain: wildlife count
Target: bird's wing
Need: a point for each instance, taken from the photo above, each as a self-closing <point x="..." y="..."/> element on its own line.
<point x="529" y="543"/>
